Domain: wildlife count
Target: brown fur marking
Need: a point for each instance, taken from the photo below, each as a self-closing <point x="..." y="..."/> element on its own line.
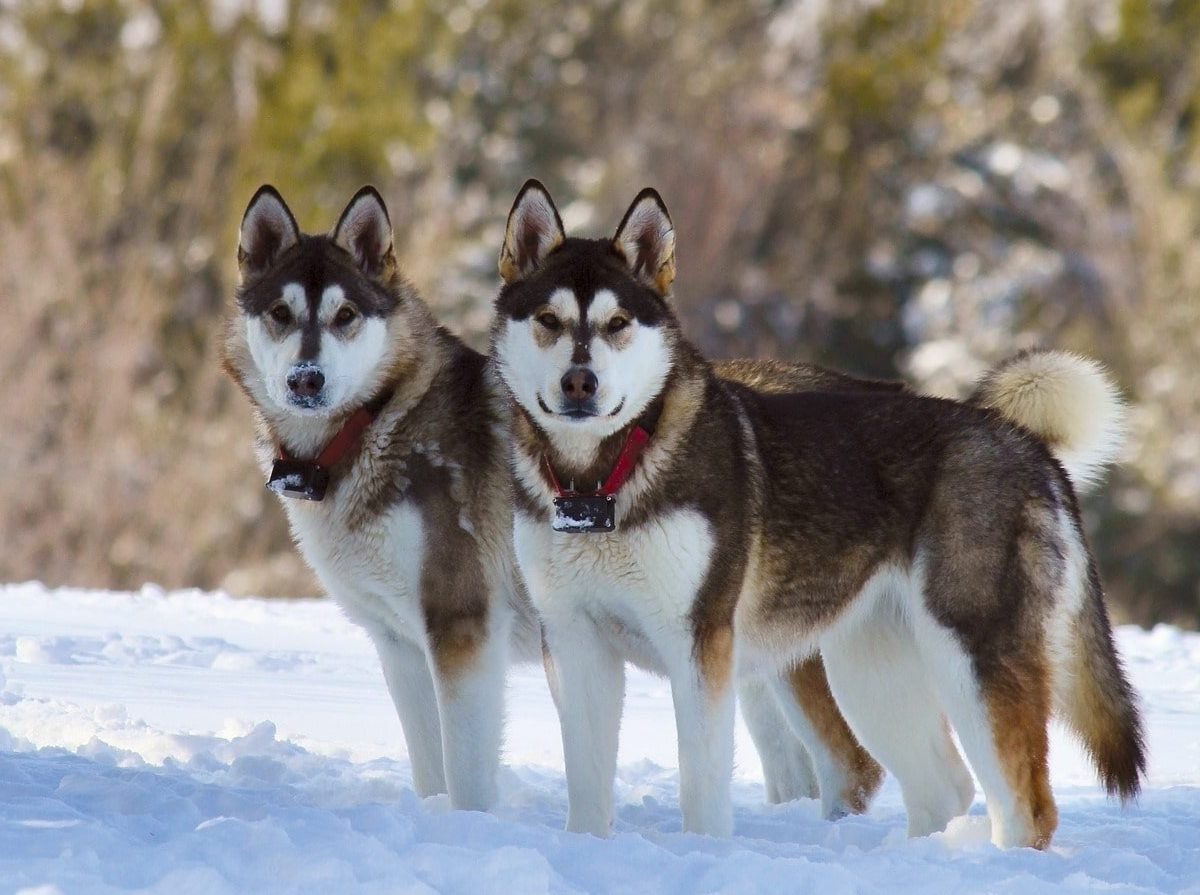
<point x="1018" y="713"/>
<point x="666" y="275"/>
<point x="864" y="773"/>
<point x="456" y="641"/>
<point x="716" y="661"/>
<point x="508" y="267"/>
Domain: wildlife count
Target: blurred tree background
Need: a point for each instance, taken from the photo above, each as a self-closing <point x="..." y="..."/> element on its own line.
<point x="895" y="187"/>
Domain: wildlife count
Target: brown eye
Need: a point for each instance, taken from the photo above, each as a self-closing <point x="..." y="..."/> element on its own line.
<point x="345" y="316"/>
<point x="549" y="320"/>
<point x="617" y="324"/>
<point x="281" y="314"/>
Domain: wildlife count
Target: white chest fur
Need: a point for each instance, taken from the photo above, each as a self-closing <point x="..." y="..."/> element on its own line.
<point x="637" y="586"/>
<point x="373" y="571"/>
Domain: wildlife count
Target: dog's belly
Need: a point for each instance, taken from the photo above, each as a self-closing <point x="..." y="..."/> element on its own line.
<point x="773" y="638"/>
<point x="373" y="572"/>
<point x="636" y="588"/>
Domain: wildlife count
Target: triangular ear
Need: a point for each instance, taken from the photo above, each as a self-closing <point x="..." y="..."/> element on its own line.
<point x="646" y="237"/>
<point x="534" y="230"/>
<point x="268" y="230"/>
<point x="365" y="231"/>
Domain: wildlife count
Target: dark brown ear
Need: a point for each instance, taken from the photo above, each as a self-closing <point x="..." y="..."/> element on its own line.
<point x="268" y="230"/>
<point x="365" y="231"/>
<point x="534" y="230"/>
<point x="646" y="238"/>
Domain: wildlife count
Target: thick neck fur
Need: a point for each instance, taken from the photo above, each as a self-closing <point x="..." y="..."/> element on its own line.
<point x="586" y="460"/>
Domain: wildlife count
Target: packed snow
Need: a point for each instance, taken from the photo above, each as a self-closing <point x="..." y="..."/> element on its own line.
<point x="193" y="743"/>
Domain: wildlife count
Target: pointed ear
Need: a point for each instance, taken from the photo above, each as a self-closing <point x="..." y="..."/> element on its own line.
<point x="365" y="231"/>
<point x="646" y="237"/>
<point x="534" y="230"/>
<point x="268" y="230"/>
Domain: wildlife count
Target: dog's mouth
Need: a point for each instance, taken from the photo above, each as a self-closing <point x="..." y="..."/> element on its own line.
<point x="306" y="402"/>
<point x="579" y="413"/>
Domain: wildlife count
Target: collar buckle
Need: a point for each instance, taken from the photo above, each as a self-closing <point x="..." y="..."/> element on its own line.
<point x="299" y="479"/>
<point x="309" y="479"/>
<point x="587" y="513"/>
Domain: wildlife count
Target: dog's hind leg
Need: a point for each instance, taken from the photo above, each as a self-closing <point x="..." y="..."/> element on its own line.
<point x="1001" y="721"/>
<point x="883" y="688"/>
<point x="406" y="672"/>
<point x="787" y="768"/>
<point x="998" y="697"/>
<point x="847" y="774"/>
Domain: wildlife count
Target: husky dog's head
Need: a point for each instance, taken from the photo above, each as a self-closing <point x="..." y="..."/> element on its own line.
<point x="323" y="320"/>
<point x="584" y="334"/>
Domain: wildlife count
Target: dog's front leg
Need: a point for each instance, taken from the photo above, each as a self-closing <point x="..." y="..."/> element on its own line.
<point x="470" y="659"/>
<point x="406" y="671"/>
<point x="702" y="689"/>
<point x="587" y="680"/>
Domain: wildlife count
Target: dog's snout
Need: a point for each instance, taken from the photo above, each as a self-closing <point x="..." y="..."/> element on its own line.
<point x="306" y="380"/>
<point x="579" y="384"/>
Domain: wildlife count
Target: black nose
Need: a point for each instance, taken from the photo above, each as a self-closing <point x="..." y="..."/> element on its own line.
<point x="579" y="384"/>
<point x="306" y="381"/>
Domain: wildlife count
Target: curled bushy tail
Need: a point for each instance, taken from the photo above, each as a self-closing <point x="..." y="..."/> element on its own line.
<point x="1069" y="401"/>
<point x="1097" y="702"/>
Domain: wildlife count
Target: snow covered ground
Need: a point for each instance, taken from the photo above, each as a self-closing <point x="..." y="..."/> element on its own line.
<point x="192" y="743"/>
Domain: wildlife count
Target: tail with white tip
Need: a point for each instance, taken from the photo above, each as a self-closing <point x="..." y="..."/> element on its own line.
<point x="1067" y="400"/>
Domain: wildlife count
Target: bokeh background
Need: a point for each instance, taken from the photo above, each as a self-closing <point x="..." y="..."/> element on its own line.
<point x="898" y="188"/>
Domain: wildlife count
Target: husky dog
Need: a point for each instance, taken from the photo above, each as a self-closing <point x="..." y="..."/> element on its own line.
<point x="408" y="524"/>
<point x="931" y="550"/>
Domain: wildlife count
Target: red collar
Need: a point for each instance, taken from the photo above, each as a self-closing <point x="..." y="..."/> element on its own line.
<point x="347" y="436"/>
<point x="309" y="479"/>
<point x="635" y="443"/>
<point x="345" y="439"/>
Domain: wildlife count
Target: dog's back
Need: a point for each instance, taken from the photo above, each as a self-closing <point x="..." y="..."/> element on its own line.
<point x="773" y="376"/>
